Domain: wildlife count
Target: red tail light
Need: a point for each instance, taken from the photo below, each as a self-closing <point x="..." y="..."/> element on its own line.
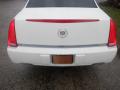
<point x="12" y="35"/>
<point x="63" y="20"/>
<point x="112" y="34"/>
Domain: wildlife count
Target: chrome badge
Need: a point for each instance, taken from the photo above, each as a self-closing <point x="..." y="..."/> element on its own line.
<point x="62" y="33"/>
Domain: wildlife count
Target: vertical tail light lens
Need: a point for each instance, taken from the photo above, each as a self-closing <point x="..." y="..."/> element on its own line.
<point x="12" y="35"/>
<point x="112" y="34"/>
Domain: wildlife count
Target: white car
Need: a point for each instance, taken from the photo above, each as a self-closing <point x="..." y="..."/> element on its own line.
<point x="62" y="33"/>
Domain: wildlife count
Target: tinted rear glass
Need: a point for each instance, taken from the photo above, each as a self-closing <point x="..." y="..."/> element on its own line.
<point x="61" y="3"/>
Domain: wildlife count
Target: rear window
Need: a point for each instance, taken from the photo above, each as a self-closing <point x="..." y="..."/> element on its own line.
<point x="61" y="3"/>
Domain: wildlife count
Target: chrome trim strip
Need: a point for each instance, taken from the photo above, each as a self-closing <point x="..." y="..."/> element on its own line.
<point x="61" y="46"/>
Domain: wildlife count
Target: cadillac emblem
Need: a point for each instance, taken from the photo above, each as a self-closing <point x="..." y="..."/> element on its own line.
<point x="62" y="33"/>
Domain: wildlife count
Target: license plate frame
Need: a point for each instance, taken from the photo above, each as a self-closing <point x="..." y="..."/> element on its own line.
<point x="62" y="59"/>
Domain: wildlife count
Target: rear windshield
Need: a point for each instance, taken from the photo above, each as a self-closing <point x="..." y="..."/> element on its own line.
<point x="61" y="3"/>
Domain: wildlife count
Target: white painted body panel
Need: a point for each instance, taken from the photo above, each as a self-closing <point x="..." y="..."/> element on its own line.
<point x="61" y="13"/>
<point x="91" y="38"/>
<point x="42" y="56"/>
<point x="41" y="33"/>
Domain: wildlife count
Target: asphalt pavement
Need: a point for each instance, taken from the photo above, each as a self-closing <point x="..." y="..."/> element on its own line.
<point x="28" y="77"/>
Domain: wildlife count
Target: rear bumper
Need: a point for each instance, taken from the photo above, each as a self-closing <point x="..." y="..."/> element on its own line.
<point x="42" y="56"/>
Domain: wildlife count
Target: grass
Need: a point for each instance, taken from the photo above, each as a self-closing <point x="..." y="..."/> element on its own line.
<point x="115" y="14"/>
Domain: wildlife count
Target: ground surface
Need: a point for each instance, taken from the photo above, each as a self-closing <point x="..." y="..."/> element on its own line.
<point x="27" y="77"/>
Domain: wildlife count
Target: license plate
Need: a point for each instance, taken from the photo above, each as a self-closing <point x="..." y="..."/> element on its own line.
<point x="62" y="59"/>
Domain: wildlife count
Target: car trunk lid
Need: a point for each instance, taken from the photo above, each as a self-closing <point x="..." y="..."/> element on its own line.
<point x="62" y="26"/>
